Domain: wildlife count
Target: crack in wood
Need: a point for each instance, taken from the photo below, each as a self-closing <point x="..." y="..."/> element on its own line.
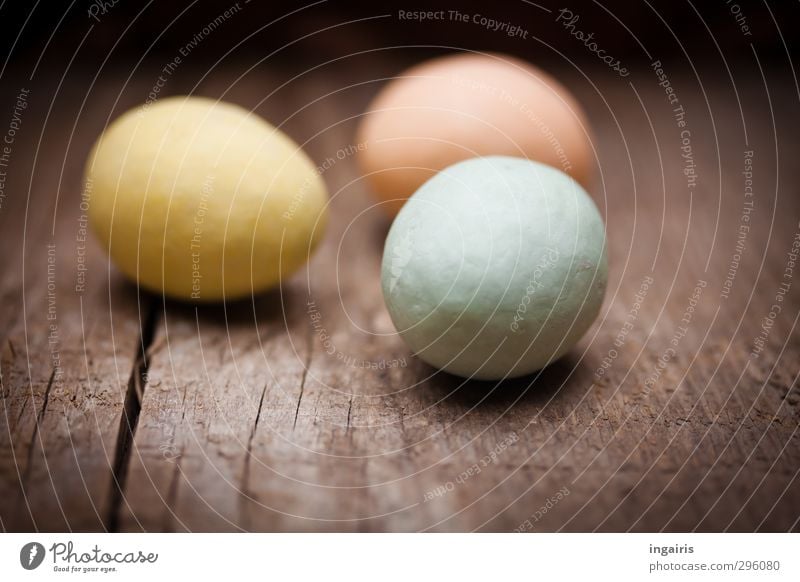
<point x="39" y="419"/>
<point x="22" y="408"/>
<point x="244" y="487"/>
<point x="31" y="444"/>
<point x="130" y="418"/>
<point x="309" y="349"/>
<point x="172" y="494"/>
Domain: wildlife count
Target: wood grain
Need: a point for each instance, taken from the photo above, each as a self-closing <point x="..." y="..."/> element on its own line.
<point x="302" y="410"/>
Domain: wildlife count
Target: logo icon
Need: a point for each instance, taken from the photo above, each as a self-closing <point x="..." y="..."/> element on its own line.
<point x="31" y="555"/>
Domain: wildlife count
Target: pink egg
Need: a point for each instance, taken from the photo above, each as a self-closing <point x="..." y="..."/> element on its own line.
<point x="466" y="105"/>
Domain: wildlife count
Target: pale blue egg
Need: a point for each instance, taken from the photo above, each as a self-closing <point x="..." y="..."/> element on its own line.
<point x="495" y="267"/>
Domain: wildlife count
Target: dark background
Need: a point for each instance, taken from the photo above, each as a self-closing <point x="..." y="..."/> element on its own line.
<point x="150" y="29"/>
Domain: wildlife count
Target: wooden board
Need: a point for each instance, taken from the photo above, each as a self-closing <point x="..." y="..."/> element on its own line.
<point x="303" y="411"/>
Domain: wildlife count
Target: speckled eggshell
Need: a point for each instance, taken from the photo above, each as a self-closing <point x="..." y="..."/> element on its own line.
<point x="466" y="105"/>
<point x="495" y="267"/>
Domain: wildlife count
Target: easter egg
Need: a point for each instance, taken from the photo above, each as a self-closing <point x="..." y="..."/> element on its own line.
<point x="203" y="200"/>
<point x="467" y="105"/>
<point x="495" y="267"/>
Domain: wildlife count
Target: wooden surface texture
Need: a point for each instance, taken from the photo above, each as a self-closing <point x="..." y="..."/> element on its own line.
<point x="302" y="411"/>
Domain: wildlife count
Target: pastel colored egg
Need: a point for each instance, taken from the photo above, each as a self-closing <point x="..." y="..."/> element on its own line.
<point x="466" y="105"/>
<point x="203" y="200"/>
<point x="495" y="267"/>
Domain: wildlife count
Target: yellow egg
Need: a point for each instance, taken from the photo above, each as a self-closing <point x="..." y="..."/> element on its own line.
<point x="463" y="106"/>
<point x="203" y="200"/>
